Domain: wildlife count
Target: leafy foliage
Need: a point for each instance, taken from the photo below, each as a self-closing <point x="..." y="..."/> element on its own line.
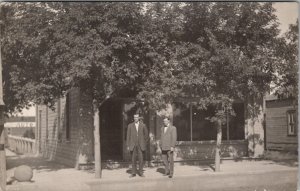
<point x="216" y="52"/>
<point x="213" y="53"/>
<point x="103" y="48"/>
<point x="220" y="52"/>
<point x="287" y="82"/>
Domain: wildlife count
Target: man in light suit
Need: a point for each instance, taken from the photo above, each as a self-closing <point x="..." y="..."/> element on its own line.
<point x="137" y="138"/>
<point x="168" y="141"/>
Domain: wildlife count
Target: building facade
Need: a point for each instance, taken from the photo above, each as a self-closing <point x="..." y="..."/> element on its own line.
<point x="281" y="124"/>
<point x="65" y="133"/>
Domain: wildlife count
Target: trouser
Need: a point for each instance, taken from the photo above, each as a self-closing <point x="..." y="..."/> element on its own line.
<point x="137" y="152"/>
<point x="168" y="160"/>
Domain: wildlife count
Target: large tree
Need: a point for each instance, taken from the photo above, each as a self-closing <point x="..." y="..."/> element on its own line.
<point x="286" y="85"/>
<point x="241" y="39"/>
<point x="105" y="49"/>
<point x="223" y="52"/>
<point x="214" y="52"/>
<point x="21" y="50"/>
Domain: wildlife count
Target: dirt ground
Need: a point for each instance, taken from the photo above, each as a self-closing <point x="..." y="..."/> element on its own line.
<point x="49" y="175"/>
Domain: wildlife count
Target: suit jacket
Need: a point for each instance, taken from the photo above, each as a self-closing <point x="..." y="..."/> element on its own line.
<point x="168" y="138"/>
<point x="135" y="138"/>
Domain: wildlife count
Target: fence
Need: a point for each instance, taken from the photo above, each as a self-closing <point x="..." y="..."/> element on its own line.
<point x="21" y="144"/>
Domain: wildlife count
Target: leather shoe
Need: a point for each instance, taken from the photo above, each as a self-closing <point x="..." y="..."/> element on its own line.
<point x="170" y="176"/>
<point x="131" y="176"/>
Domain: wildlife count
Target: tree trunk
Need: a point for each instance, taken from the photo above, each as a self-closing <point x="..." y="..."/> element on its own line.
<point x="2" y="135"/>
<point x="218" y="146"/>
<point x="98" y="170"/>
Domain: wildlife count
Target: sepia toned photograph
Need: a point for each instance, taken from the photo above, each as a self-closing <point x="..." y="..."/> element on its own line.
<point x="149" y="96"/>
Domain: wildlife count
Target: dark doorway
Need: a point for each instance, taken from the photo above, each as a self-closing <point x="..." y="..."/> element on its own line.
<point x="111" y="130"/>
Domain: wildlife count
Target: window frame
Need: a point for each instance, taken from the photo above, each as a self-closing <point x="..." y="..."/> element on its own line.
<point x="190" y="107"/>
<point x="67" y="117"/>
<point x="288" y="113"/>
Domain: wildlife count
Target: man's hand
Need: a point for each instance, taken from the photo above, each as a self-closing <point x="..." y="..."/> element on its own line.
<point x="128" y="148"/>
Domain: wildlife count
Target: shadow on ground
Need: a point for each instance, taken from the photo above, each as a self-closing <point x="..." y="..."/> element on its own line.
<point x="160" y="170"/>
<point x="292" y="162"/>
<point x="37" y="163"/>
<point x="286" y="162"/>
<point x="201" y="165"/>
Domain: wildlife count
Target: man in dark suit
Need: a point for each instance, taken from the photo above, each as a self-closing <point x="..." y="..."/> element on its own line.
<point x="168" y="141"/>
<point x="137" y="138"/>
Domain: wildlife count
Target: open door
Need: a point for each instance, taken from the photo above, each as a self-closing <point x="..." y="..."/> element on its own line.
<point x="111" y="130"/>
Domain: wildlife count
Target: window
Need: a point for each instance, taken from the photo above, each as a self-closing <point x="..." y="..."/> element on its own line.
<point x="233" y="128"/>
<point x="181" y="120"/>
<point x="202" y="128"/>
<point x="67" y="115"/>
<point x="291" y="122"/>
<point x="39" y="134"/>
<point x="40" y="124"/>
<point x="59" y="118"/>
<point x="47" y="129"/>
<point x="193" y="124"/>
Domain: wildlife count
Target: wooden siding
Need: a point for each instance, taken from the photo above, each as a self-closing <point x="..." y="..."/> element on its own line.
<point x="276" y="126"/>
<point x="56" y="146"/>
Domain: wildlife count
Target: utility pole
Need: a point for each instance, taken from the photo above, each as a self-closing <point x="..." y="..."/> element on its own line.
<point x="2" y="133"/>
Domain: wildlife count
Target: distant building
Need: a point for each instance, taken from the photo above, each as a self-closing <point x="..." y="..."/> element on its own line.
<point x="20" y="126"/>
<point x="281" y="122"/>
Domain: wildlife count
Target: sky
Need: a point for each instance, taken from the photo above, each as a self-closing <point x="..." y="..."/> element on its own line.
<point x="29" y="112"/>
<point x="287" y="13"/>
<point x="26" y="112"/>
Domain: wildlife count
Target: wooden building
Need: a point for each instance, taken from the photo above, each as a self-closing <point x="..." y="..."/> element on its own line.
<point x="66" y="133"/>
<point x="281" y="124"/>
<point x="20" y="125"/>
